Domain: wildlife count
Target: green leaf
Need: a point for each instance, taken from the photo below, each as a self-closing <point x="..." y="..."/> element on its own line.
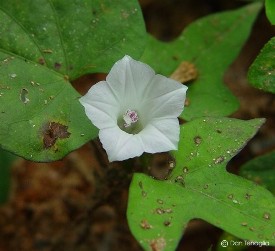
<point x="6" y="159"/>
<point x="43" y="45"/>
<point x="261" y="170"/>
<point x="212" y="142"/>
<point x="211" y="44"/>
<point x="199" y="187"/>
<point x="72" y="37"/>
<point x="41" y="118"/>
<point x="261" y="73"/>
<point x="270" y="10"/>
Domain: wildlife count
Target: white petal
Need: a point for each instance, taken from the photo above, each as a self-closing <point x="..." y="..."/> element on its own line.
<point x="128" y="79"/>
<point x="120" y="145"/>
<point x="161" y="135"/>
<point x="101" y="106"/>
<point x="164" y="98"/>
<point x="132" y="85"/>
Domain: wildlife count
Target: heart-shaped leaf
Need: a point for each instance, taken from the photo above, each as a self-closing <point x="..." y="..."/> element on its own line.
<point x="45" y="44"/>
<point x="210" y="44"/>
<point x="199" y="187"/>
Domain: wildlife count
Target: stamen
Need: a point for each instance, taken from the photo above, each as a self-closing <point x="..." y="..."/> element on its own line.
<point x="130" y="117"/>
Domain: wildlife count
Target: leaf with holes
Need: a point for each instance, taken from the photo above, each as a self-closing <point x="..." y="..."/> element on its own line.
<point x="41" y="51"/>
<point x="210" y="44"/>
<point x="261" y="73"/>
<point x="200" y="187"/>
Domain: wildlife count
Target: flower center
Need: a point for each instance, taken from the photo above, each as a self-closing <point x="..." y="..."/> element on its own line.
<point x="130" y="122"/>
<point x="130" y="117"/>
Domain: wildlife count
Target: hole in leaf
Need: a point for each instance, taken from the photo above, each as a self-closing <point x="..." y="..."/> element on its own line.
<point x="23" y="95"/>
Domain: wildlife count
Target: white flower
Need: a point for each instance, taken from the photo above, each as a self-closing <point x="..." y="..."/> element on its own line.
<point x="135" y="110"/>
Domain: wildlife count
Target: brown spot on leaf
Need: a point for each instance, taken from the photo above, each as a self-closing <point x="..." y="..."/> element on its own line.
<point x="168" y="210"/>
<point x="47" y="51"/>
<point x="247" y="196"/>
<point x="179" y="179"/>
<point x="159" y="211"/>
<point x="187" y="102"/>
<point x="41" y="61"/>
<point x="53" y="132"/>
<point x="219" y="160"/>
<point x="197" y="140"/>
<point x="158" y="244"/>
<point x="57" y="66"/>
<point x="185" y="72"/>
<point x="267" y="216"/>
<point x="230" y="196"/>
<point x="145" y="225"/>
<point x="159" y="201"/>
<point x="143" y="193"/>
<point x="185" y="169"/>
<point x="124" y="14"/>
<point x="205" y="186"/>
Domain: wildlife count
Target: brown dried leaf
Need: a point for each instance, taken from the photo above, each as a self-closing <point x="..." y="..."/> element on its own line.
<point x="185" y="72"/>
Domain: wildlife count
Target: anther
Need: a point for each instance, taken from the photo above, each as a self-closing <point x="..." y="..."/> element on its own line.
<point x="130" y="117"/>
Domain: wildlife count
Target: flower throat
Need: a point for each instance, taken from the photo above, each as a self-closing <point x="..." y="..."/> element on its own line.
<point x="130" y="122"/>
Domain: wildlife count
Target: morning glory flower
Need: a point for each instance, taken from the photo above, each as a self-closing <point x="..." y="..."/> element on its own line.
<point x="135" y="110"/>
